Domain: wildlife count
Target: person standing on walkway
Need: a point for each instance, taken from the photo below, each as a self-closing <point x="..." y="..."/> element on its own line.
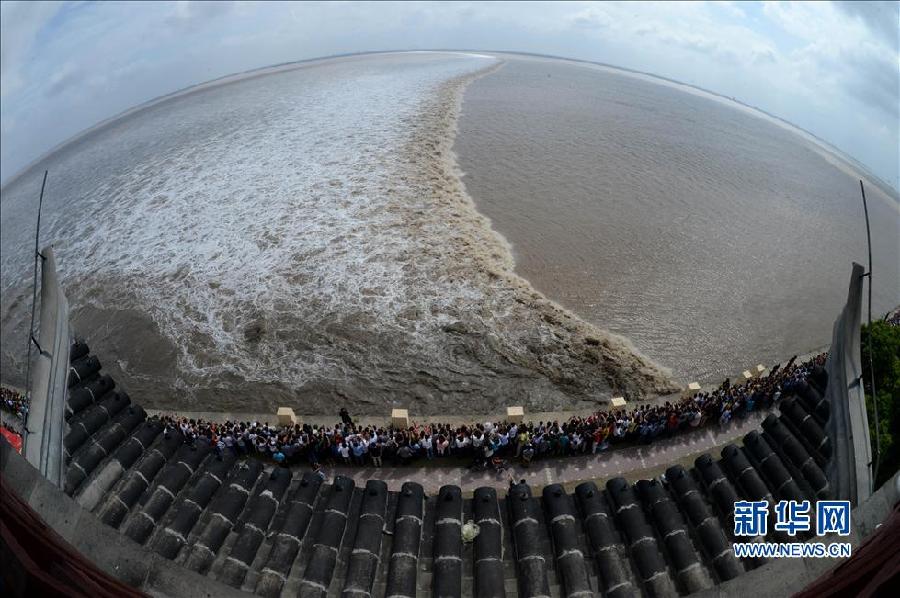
<point x="527" y="455"/>
<point x="521" y="441"/>
<point x="345" y="416"/>
<point x="405" y="455"/>
<point x="443" y="445"/>
<point x="428" y="444"/>
<point x="359" y="453"/>
<point x="375" y="453"/>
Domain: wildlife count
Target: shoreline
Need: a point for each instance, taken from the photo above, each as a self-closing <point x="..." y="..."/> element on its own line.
<point x="471" y="417"/>
<point x="384" y="420"/>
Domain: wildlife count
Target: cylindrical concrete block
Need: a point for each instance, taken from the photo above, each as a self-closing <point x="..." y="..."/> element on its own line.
<point x="570" y="565"/>
<point x="139" y="479"/>
<point x="524" y="515"/>
<point x="78" y="350"/>
<point x="488" y="544"/>
<point x="719" y="488"/>
<point x="224" y="513"/>
<point x="363" y="565"/>
<point x="809" y="428"/>
<point x="168" y="484"/>
<point x="83" y="396"/>
<point x="644" y="550"/>
<point x="447" y="563"/>
<point x="819" y="379"/>
<point x="403" y="568"/>
<point x="169" y="542"/>
<point x="259" y="514"/>
<point x="604" y="540"/>
<point x="82" y="369"/>
<point x="320" y="568"/>
<point x="689" y="572"/>
<point x="712" y="538"/>
<point x="102" y="445"/>
<point x="795" y="452"/>
<point x="289" y="539"/>
<point x="745" y="475"/>
<point x="89" y="421"/>
<point x="813" y="402"/>
<point x="780" y="479"/>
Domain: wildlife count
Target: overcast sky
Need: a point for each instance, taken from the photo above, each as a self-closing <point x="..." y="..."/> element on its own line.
<point x="832" y="68"/>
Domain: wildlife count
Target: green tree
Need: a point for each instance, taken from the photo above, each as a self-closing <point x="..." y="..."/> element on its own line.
<point x="886" y="366"/>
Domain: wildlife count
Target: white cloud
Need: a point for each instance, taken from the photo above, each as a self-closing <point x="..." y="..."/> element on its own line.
<point x="831" y="69"/>
<point x="590" y="18"/>
<point x="731" y="8"/>
<point x="20" y="23"/>
<point x="845" y="65"/>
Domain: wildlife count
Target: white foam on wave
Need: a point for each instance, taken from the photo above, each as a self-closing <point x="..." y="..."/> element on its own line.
<point x="281" y="206"/>
<point x="307" y="230"/>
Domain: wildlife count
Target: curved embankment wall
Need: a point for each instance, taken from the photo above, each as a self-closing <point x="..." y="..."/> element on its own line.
<point x="46" y="427"/>
<point x="850" y="471"/>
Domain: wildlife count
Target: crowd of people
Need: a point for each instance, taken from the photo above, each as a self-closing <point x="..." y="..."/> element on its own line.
<point x="13" y="402"/>
<point x="893" y="318"/>
<point x="478" y="444"/>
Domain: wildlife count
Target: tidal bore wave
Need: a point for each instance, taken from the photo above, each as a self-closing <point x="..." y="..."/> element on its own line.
<point x="305" y="238"/>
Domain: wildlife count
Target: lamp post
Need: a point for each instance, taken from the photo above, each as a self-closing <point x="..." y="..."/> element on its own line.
<point x="862" y="190"/>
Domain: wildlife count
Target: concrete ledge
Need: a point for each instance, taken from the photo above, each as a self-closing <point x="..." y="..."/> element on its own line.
<point x="692" y="388"/>
<point x="286" y="416"/>
<point x="400" y="418"/>
<point x="515" y="415"/>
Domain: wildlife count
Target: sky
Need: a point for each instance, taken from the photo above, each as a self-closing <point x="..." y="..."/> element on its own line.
<point x="832" y="68"/>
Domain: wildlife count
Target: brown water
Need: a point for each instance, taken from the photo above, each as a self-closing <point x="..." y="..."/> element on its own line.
<point x="300" y="239"/>
<point x="711" y="238"/>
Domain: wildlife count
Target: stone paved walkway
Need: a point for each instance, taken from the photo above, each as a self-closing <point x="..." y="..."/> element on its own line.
<point x="632" y="462"/>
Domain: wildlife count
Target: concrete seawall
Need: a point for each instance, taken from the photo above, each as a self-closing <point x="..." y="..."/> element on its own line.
<point x="850" y="471"/>
<point x="46" y="425"/>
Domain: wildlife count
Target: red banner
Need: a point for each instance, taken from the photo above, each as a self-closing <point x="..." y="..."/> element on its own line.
<point x="11" y="437"/>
